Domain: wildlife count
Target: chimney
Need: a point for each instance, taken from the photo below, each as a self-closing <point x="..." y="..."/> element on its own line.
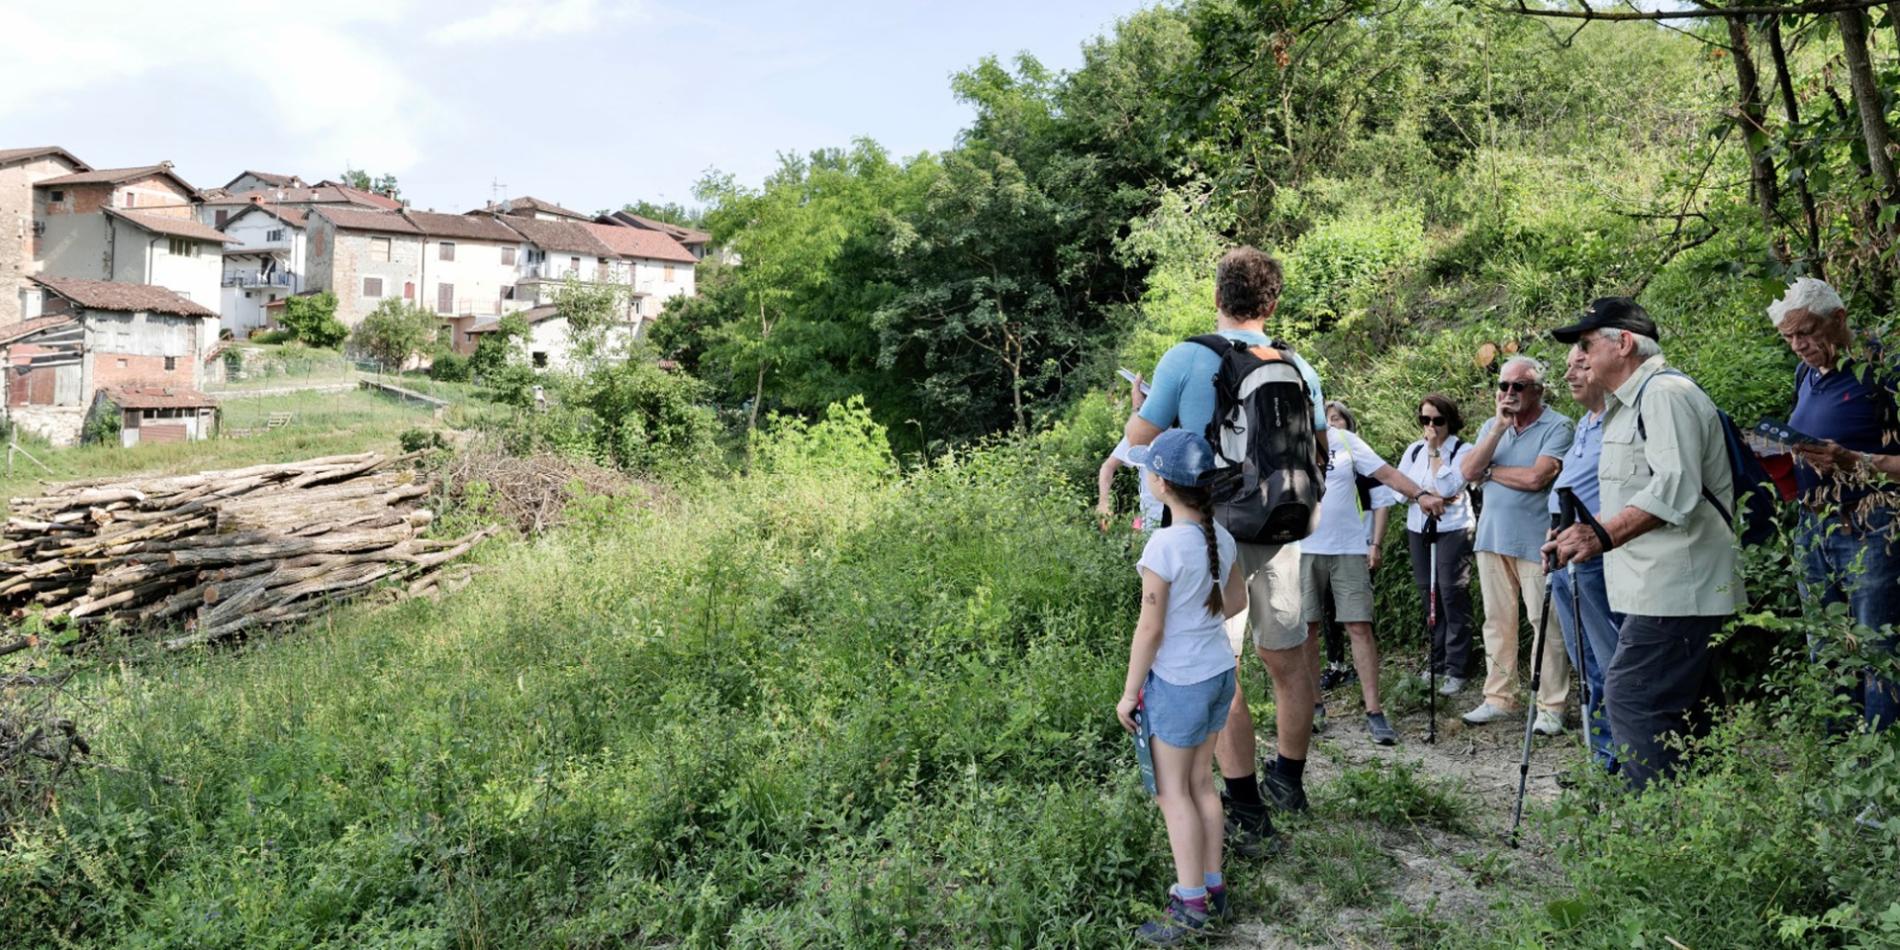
<point x="165" y="165"/>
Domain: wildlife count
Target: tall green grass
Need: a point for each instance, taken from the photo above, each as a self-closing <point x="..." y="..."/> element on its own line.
<point x="814" y="706"/>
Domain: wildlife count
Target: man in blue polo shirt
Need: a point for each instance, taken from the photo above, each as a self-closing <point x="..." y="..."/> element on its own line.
<point x="1591" y="654"/>
<point x="1517" y="455"/>
<point x="1849" y="534"/>
<point x="1247" y="285"/>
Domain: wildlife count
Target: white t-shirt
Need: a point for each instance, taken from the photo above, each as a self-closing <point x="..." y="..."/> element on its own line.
<point x="1151" y="507"/>
<point x="1342" y="526"/>
<point x="1415" y="463"/>
<point x="1194" y="643"/>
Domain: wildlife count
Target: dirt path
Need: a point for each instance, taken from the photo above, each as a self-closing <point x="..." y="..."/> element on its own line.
<point x="1360" y="871"/>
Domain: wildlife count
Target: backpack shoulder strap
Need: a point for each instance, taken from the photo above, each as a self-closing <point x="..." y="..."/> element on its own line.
<point x="1214" y="341"/>
<point x="1643" y="434"/>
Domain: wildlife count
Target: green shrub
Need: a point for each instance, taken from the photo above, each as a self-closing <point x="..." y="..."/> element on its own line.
<point x="450" y="367"/>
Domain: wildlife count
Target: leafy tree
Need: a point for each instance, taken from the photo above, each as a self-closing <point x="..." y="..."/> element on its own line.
<point x="395" y="331"/>
<point x="382" y="184"/>
<point x="592" y="311"/>
<point x="312" y="320"/>
<point x="497" y="349"/>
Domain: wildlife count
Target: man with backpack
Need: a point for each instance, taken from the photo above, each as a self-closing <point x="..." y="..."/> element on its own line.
<point x="1261" y="408"/>
<point x="1670" y="555"/>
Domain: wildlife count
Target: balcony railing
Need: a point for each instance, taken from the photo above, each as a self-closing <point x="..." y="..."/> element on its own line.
<point x="250" y="279"/>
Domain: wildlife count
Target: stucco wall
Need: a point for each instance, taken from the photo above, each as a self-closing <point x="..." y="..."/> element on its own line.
<point x="477" y="274"/>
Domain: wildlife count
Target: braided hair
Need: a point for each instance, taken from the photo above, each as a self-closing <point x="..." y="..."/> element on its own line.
<point x="1201" y="499"/>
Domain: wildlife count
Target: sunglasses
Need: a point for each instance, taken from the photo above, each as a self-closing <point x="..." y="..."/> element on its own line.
<point x="1514" y="386"/>
<point x="1431" y="420"/>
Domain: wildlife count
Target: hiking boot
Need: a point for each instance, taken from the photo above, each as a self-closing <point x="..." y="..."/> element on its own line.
<point x="1485" y="713"/>
<point x="1284" y="793"/>
<point x="1450" y="685"/>
<point x="1319" y="718"/>
<point x="1178" y="924"/>
<point x="1249" y="833"/>
<point x="1381" y="730"/>
<point x="1548" y="723"/>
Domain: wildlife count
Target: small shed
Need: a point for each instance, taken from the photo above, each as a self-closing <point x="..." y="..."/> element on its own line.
<point x="160" y="413"/>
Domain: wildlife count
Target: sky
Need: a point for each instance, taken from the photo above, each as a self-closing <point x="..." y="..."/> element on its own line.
<point x="586" y="103"/>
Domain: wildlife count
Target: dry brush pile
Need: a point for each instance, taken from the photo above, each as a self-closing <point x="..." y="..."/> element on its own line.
<point x="221" y="552"/>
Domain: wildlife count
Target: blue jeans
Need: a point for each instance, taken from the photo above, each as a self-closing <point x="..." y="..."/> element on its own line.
<point x="1600" y="625"/>
<point x="1859" y="568"/>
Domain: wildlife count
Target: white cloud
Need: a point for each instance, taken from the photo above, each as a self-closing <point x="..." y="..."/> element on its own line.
<point x="333" y="90"/>
<point x="523" y="19"/>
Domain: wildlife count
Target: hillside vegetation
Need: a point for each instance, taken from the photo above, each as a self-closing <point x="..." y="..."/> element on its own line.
<point x="847" y="680"/>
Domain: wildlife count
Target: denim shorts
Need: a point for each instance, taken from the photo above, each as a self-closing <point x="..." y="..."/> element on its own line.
<point x="1184" y="716"/>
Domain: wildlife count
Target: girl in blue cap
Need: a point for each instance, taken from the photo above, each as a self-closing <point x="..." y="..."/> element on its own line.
<point x="1181" y="674"/>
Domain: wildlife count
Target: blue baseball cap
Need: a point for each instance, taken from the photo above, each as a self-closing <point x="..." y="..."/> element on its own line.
<point x="1177" y="455"/>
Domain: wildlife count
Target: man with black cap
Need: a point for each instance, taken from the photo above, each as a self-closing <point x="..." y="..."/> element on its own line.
<point x="1670" y="555"/>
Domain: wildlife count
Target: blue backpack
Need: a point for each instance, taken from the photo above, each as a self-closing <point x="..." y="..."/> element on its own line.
<point x="1754" y="519"/>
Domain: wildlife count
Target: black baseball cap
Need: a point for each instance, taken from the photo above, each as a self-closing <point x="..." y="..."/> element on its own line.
<point x="1609" y="313"/>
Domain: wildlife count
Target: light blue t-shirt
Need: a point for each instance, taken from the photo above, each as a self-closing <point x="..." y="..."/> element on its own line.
<point x="1580" y="464"/>
<point x="1182" y="396"/>
<point x="1514" y="522"/>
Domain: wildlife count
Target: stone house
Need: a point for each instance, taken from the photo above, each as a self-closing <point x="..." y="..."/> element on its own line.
<point x="20" y="229"/>
<point x="363" y="257"/>
<point x="100" y="335"/>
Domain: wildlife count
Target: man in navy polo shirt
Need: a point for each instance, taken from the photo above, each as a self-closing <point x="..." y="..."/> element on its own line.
<point x="1591" y="648"/>
<point x="1845" y="396"/>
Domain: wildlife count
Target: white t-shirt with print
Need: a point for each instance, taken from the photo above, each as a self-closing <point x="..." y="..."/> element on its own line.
<point x="1342" y="526"/>
<point x="1194" y="643"/>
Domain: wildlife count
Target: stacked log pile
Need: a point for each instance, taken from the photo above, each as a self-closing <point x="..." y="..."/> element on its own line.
<point x="221" y="552"/>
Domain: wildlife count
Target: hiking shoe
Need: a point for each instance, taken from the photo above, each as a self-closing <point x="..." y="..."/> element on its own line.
<point x="1548" y="723"/>
<point x="1450" y="685"/>
<point x="1176" y="925"/>
<point x="1381" y="730"/>
<point x="1319" y="718"/>
<point x="1284" y="793"/>
<point x="1486" y="713"/>
<point x="1249" y="833"/>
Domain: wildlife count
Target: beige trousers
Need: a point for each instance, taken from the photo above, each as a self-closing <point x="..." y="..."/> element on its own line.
<point x="1504" y="581"/>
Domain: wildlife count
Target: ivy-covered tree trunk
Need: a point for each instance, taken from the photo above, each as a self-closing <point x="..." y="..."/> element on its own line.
<point x="1749" y="114"/>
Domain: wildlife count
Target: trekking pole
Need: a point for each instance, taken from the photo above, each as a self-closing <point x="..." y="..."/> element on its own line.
<point x="1431" y="625"/>
<point x="1574" y="511"/>
<point x="1530" y="712"/>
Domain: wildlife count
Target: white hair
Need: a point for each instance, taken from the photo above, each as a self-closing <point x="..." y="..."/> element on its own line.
<point x="1806" y="293"/>
<point x="1536" y="367"/>
<point x="1645" y="347"/>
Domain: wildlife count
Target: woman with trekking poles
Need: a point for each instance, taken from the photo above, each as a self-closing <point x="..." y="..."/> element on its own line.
<point x="1181" y="676"/>
<point x="1441" y="547"/>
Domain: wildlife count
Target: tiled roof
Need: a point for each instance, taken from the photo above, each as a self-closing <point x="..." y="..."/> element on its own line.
<point x="116" y="176"/>
<point x="269" y="178"/>
<point x="327" y="193"/>
<point x="562" y="237"/>
<point x="159" y="397"/>
<point x="291" y="216"/>
<point x="529" y="205"/>
<point x="358" y="219"/>
<point x="641" y="243"/>
<point x="8" y="155"/>
<point x="116" y="296"/>
<point x="536" y="315"/>
<point x="676" y="232"/>
<point x="167" y="225"/>
<point x="463" y="226"/>
<point x="20" y="331"/>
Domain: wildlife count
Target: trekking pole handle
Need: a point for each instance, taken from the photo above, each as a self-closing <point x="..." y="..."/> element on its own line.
<point x="1576" y="512"/>
<point x="1431" y="529"/>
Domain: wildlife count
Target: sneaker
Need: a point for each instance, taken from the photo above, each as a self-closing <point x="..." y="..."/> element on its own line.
<point x="1381" y="730"/>
<point x="1283" y="793"/>
<point x="1334" y="676"/>
<point x="1319" y="718"/>
<point x="1176" y="925"/>
<point x="1548" y="723"/>
<point x="1486" y="713"/>
<point x="1249" y="834"/>
<point x="1450" y="685"/>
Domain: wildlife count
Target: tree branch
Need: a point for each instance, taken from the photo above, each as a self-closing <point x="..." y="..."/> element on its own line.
<point x="1523" y="8"/>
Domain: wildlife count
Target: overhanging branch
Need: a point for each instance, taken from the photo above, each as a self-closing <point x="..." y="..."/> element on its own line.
<point x="1523" y="8"/>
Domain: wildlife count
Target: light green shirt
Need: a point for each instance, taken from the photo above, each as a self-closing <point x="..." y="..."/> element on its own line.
<point x="1686" y="567"/>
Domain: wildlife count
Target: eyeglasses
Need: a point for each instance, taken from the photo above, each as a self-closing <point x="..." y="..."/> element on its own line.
<point x="1431" y="420"/>
<point x="1514" y="385"/>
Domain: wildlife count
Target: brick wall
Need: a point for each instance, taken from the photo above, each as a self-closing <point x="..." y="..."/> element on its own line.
<point x="121" y="369"/>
